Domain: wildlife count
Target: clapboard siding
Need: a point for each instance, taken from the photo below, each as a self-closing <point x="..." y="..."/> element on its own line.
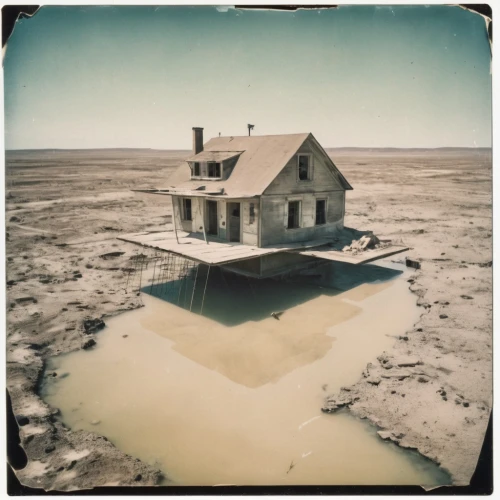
<point x="275" y="210"/>
<point x="287" y="181"/>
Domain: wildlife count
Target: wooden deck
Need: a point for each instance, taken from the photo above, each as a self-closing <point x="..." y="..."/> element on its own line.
<point x="216" y="252"/>
<point x="219" y="252"/>
<point x="327" y="253"/>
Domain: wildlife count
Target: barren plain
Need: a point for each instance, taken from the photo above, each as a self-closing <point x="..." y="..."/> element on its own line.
<point x="431" y="392"/>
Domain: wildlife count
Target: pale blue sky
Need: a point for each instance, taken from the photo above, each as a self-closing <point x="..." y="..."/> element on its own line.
<point x="362" y="76"/>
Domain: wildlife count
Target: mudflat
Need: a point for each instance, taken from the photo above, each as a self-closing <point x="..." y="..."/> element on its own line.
<point x="432" y="390"/>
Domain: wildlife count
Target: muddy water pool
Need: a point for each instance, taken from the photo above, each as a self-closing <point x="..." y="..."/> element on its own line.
<point x="234" y="396"/>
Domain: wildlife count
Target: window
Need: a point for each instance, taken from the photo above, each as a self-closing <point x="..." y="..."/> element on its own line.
<point x="293" y="214"/>
<point x="251" y="217"/>
<point x="320" y="212"/>
<point x="304" y="163"/>
<point x="214" y="170"/>
<point x="186" y="209"/>
<point x="196" y="169"/>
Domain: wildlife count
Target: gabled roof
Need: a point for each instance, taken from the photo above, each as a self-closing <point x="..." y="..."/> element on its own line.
<point x="262" y="158"/>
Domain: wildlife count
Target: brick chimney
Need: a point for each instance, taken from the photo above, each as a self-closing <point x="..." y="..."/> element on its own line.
<point x="197" y="140"/>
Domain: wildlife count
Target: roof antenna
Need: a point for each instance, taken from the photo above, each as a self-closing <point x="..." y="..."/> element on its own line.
<point x="250" y="127"/>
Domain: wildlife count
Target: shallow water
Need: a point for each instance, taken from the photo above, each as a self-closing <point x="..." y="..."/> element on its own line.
<point x="236" y="398"/>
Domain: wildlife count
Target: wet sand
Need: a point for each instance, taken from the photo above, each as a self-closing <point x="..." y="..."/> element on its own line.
<point x="64" y="210"/>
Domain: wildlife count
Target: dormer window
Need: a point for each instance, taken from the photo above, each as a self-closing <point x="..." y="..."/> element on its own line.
<point x="214" y="170"/>
<point x="196" y="169"/>
<point x="304" y="163"/>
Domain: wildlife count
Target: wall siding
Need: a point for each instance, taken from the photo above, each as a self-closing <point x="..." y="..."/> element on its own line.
<point x="286" y="187"/>
<point x="275" y="208"/>
<point x="250" y="232"/>
<point x="286" y="182"/>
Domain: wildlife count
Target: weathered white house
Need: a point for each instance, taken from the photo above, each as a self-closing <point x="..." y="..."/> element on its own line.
<point x="257" y="205"/>
<point x="259" y="190"/>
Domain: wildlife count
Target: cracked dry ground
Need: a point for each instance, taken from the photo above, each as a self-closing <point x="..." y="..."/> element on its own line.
<point x="432" y="392"/>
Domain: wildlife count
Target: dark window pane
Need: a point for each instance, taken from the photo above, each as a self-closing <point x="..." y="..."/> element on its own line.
<point x="293" y="214"/>
<point x="196" y="170"/>
<point x="252" y="213"/>
<point x="187" y="209"/>
<point x="303" y="167"/>
<point x="214" y="169"/>
<point x="320" y="212"/>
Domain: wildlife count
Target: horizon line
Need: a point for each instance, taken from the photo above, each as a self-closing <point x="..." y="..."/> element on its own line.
<point x="189" y="149"/>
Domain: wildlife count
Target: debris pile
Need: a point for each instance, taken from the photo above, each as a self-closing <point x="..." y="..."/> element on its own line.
<point x="366" y="242"/>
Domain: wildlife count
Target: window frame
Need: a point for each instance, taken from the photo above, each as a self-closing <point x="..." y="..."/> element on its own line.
<point x="309" y="170"/>
<point x="316" y="211"/>
<point x="251" y="213"/>
<point x="299" y="214"/>
<point x="196" y="165"/>
<point x="215" y="163"/>
<point x="185" y="211"/>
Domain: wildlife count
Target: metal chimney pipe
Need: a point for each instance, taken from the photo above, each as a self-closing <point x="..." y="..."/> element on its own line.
<point x="197" y="140"/>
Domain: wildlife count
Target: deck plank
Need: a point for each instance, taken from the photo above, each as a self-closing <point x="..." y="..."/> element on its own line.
<point x="360" y="258"/>
<point x="218" y="252"/>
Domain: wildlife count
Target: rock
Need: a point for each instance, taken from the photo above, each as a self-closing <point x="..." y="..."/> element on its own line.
<point x="334" y="404"/>
<point x="78" y="275"/>
<point x="412" y="263"/>
<point x="486" y="264"/>
<point x="384" y="434"/>
<point x="23" y="300"/>
<point x="466" y="405"/>
<point x="407" y="362"/>
<point x="22" y="420"/>
<point x="423" y="380"/>
<point x="93" y="325"/>
<point x="396" y="375"/>
<point x="443" y="316"/>
<point x="11" y="282"/>
<point x="468" y="297"/>
<point x="90" y="343"/>
<point x="95" y="422"/>
<point x="111" y="255"/>
<point x="138" y="477"/>
<point x="50" y="448"/>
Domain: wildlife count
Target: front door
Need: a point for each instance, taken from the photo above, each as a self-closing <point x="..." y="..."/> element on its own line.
<point x="212" y="217"/>
<point x="233" y="210"/>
